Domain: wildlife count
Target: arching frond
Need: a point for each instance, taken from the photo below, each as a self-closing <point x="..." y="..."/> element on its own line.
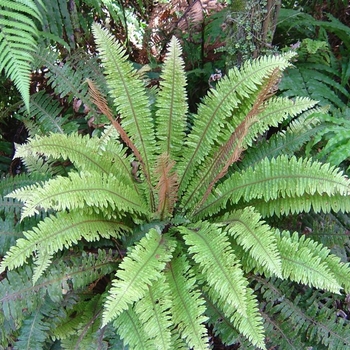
<point x="84" y="321"/>
<point x="290" y="316"/>
<point x="154" y="313"/>
<point x="250" y="324"/>
<point x="216" y="112"/>
<point x="218" y="264"/>
<point x="171" y="103"/>
<point x="188" y="307"/>
<point x="279" y="178"/>
<point x="57" y="21"/>
<point x="140" y="268"/>
<point x="293" y="205"/>
<point x="302" y="263"/>
<point x="34" y="330"/>
<point x="18" y="293"/>
<point x="56" y="233"/>
<point x="298" y="132"/>
<point x="47" y="116"/>
<point x="129" y="95"/>
<point x="272" y="112"/>
<point x="314" y="81"/>
<point x="69" y="79"/>
<point x="83" y="152"/>
<point x="18" y="34"/>
<point x="255" y="236"/>
<point x="131" y="330"/>
<point x="78" y="191"/>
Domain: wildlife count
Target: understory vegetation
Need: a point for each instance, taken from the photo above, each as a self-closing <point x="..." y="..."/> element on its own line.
<point x="174" y="175"/>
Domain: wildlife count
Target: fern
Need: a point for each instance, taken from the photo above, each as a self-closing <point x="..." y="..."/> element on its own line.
<point x="154" y="313"/>
<point x="69" y="79"/>
<point x="128" y="95"/>
<point x="46" y="113"/>
<point x="301" y="317"/>
<point x="155" y="252"/>
<point x="18" y="33"/>
<point x="83" y="323"/>
<point x="34" y="330"/>
<point x="188" y="307"/>
<point x="336" y="149"/>
<point x="57" y="23"/>
<point x="171" y="105"/>
<point x="281" y="187"/>
<point x="255" y="237"/>
<point x="300" y="132"/>
<point x="323" y="86"/>
<point x="214" y="263"/>
<point x="156" y="230"/>
<point x="107" y="192"/>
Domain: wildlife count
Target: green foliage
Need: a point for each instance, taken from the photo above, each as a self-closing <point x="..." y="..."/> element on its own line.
<point x="335" y="138"/>
<point x="18" y="41"/>
<point x="302" y="317"/>
<point x="316" y="75"/>
<point x="156" y="229"/>
<point x="292" y="20"/>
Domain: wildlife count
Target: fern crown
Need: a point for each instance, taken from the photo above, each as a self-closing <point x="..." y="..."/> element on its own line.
<point x="178" y="192"/>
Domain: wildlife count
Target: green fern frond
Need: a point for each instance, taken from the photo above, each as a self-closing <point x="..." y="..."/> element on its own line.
<point x="301" y="263"/>
<point x="335" y="133"/>
<point x="9" y="233"/>
<point x="140" y="268"/>
<point x="46" y="113"/>
<point x="188" y="306"/>
<point x="154" y="313"/>
<point x="300" y="131"/>
<point x="34" y="330"/>
<point x="273" y="112"/>
<point x="279" y="178"/>
<point x="18" y="34"/>
<point x="218" y="264"/>
<point x="17" y="291"/>
<point x="78" y="191"/>
<point x="129" y="95"/>
<point x="131" y="330"/>
<point x="340" y="270"/>
<point x="303" y="81"/>
<point x="213" y="117"/>
<point x="85" y="330"/>
<point x="294" y="319"/>
<point x="53" y="234"/>
<point x="57" y="22"/>
<point x="69" y="79"/>
<point x="10" y="183"/>
<point x="85" y="269"/>
<point x="220" y="323"/>
<point x="83" y="152"/>
<point x="171" y="103"/>
<point x="276" y="110"/>
<point x="294" y="205"/>
<point x="255" y="236"/>
<point x="249" y="325"/>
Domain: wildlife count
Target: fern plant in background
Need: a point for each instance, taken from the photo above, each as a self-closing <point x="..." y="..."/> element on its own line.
<point x="18" y="41"/>
<point x="153" y="237"/>
<point x="317" y="75"/>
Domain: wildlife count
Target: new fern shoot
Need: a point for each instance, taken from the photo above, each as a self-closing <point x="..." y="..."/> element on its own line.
<point x="184" y="225"/>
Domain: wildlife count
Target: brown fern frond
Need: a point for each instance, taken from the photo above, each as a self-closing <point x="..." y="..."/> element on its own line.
<point x="167" y="185"/>
<point x="102" y="105"/>
<point x="231" y="151"/>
